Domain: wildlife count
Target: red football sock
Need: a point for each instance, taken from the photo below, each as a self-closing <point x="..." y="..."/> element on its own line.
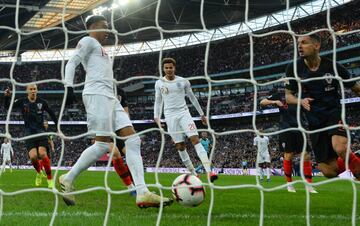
<point x="122" y="170"/>
<point x="47" y="167"/>
<point x="308" y="171"/>
<point x="341" y="165"/>
<point x="36" y="165"/>
<point x="354" y="165"/>
<point x="287" y="170"/>
<point x="41" y="165"/>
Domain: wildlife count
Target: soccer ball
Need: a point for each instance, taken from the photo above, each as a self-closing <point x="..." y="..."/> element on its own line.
<point x="188" y="190"/>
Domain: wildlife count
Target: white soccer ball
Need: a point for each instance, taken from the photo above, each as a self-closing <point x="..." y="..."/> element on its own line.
<point x="188" y="190"/>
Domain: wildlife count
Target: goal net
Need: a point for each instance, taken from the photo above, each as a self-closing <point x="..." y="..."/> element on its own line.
<point x="249" y="57"/>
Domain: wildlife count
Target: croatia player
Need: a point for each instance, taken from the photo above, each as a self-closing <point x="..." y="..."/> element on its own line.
<point x="104" y="114"/>
<point x="263" y="156"/>
<point x="172" y="89"/>
<point x="289" y="142"/>
<point x="6" y="152"/>
<point x="321" y="103"/>
<point x="32" y="109"/>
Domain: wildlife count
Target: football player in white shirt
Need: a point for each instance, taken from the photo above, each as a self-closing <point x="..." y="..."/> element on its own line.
<point x="263" y="156"/>
<point x="172" y="90"/>
<point x="6" y="152"/>
<point x="104" y="114"/>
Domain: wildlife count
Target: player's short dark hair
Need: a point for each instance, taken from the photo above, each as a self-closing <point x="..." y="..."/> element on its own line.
<point x="315" y="37"/>
<point x="169" y="60"/>
<point x="94" y="19"/>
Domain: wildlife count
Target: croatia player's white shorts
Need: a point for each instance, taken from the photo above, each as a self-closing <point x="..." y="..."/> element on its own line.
<point x="104" y="115"/>
<point x="262" y="158"/>
<point x="179" y="124"/>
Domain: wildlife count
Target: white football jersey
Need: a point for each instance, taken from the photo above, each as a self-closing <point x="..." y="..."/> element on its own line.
<point x="262" y="144"/>
<point x="97" y="64"/>
<point x="173" y="93"/>
<point x="6" y="150"/>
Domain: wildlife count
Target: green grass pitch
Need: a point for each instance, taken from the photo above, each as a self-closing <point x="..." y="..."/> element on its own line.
<point x="332" y="206"/>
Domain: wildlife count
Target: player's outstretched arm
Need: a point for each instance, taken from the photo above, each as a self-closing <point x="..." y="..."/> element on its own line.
<point x="266" y="102"/>
<point x="193" y="99"/>
<point x="292" y="99"/>
<point x="157" y="104"/>
<point x="7" y="95"/>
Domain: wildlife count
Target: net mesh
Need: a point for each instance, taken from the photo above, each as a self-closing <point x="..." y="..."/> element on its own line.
<point x="210" y="81"/>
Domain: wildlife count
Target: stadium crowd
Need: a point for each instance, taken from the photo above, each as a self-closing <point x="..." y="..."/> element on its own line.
<point x="224" y="56"/>
<point x="230" y="149"/>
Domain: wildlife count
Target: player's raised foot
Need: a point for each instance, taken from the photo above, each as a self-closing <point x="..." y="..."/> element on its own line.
<point x="66" y="187"/>
<point x="291" y="189"/>
<point x="311" y="189"/>
<point x="38" y="179"/>
<point x="150" y="199"/>
<point x="50" y="183"/>
<point x="213" y="177"/>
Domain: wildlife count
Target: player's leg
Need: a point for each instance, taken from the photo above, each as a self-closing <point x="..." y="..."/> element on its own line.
<point x="184" y="156"/>
<point x="120" y="168"/>
<point x="33" y="155"/>
<point x="3" y="165"/>
<point x="10" y="165"/>
<point x="124" y="128"/>
<point x="308" y="172"/>
<point x="286" y="145"/>
<point x="176" y="133"/>
<point x="99" y="121"/>
<point x="324" y="154"/>
<point x="260" y="170"/>
<point x="339" y="144"/>
<point x="187" y="124"/>
<point x="46" y="162"/>
<point x="268" y="171"/>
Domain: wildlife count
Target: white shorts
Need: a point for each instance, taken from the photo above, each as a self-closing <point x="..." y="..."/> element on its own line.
<point x="180" y="124"/>
<point x="263" y="158"/>
<point x="6" y="159"/>
<point x="104" y="115"/>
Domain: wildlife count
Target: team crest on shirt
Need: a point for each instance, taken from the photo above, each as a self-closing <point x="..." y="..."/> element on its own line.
<point x="178" y="84"/>
<point x="39" y="105"/>
<point x="329" y="78"/>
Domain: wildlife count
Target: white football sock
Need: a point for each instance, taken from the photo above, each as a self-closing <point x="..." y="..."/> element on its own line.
<point x="268" y="173"/>
<point x="135" y="163"/>
<point x="185" y="158"/>
<point x="261" y="173"/>
<point x="87" y="159"/>
<point x="203" y="157"/>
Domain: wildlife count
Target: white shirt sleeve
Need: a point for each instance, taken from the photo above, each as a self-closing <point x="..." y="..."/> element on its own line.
<point x="2" y="149"/>
<point x="255" y="143"/>
<point x="193" y="98"/>
<point x="158" y="101"/>
<point x="84" y="48"/>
